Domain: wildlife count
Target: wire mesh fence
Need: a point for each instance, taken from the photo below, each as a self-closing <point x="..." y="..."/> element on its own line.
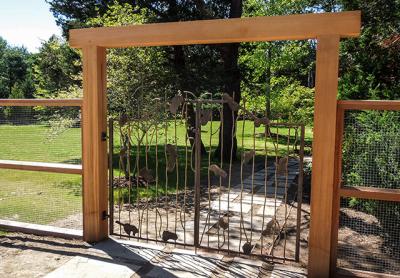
<point x="369" y="233"/>
<point x="40" y="134"/>
<point x="37" y="135"/>
<point x="371" y="149"/>
<point x="245" y="192"/>
<point x="41" y="198"/>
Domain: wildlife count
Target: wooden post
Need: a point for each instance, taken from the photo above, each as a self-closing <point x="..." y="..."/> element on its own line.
<point x="94" y="153"/>
<point x="323" y="178"/>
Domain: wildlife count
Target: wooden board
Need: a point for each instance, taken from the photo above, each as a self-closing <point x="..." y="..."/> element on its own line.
<point x="374" y="193"/>
<point x="323" y="176"/>
<point x="41" y="166"/>
<point x="41" y="230"/>
<point x="41" y="102"/>
<point x="289" y="27"/>
<point x="94" y="149"/>
<point x="336" y="187"/>
<point x="369" y="104"/>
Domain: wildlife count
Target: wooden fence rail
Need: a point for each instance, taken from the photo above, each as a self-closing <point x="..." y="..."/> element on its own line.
<point x="340" y="190"/>
<point x="41" y="102"/>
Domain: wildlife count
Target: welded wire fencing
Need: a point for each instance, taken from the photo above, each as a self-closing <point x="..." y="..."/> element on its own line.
<point x="368" y="236"/>
<point x="207" y="173"/>
<point x="40" y="158"/>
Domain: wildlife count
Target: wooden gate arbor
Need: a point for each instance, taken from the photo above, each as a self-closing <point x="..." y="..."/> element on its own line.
<point x="326" y="28"/>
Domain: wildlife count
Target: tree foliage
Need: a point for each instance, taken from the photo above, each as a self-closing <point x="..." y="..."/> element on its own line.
<point x="56" y="68"/>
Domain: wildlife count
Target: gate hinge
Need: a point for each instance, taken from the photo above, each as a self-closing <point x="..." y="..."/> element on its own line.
<point x="105" y="215"/>
<point x="103" y="136"/>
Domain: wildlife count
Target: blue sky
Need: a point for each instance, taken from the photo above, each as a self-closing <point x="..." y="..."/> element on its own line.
<point x="26" y="22"/>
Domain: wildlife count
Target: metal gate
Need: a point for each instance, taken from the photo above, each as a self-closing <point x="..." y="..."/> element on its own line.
<point x="177" y="176"/>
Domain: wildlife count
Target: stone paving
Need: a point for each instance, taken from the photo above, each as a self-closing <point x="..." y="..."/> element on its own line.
<point x="248" y="213"/>
<point x="120" y="259"/>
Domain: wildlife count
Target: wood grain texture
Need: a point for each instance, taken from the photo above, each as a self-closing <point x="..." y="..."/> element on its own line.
<point x="41" y="167"/>
<point x="289" y="27"/>
<point x="336" y="187"/>
<point x="374" y="193"/>
<point x="94" y="149"/>
<point x="369" y="104"/>
<point x="323" y="174"/>
<point x="41" y="102"/>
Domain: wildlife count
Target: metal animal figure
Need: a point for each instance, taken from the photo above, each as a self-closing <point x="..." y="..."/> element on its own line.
<point x="167" y="235"/>
<point x="128" y="228"/>
<point x="247" y="248"/>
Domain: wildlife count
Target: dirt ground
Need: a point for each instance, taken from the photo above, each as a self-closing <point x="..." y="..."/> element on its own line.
<point x="24" y="255"/>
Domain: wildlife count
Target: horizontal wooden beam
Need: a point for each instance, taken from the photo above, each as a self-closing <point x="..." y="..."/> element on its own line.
<point x="41" y="167"/>
<point x="352" y="273"/>
<point x="374" y="193"/>
<point x="369" y="104"/>
<point x="40" y="230"/>
<point x="41" y="102"/>
<point x="289" y="27"/>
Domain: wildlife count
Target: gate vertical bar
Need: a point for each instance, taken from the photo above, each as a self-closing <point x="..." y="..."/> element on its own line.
<point x="94" y="155"/>
<point x="111" y="173"/>
<point x="323" y="180"/>
<point x="197" y="148"/>
<point x="300" y="192"/>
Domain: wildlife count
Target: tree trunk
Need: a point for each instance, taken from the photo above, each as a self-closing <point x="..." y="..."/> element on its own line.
<point x="230" y="54"/>
<point x="180" y="68"/>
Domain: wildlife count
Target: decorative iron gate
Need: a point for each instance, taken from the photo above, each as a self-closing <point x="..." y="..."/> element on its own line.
<point x="178" y="177"/>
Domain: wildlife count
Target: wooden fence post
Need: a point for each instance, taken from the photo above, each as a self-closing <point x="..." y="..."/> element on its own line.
<point x="323" y="178"/>
<point x="94" y="145"/>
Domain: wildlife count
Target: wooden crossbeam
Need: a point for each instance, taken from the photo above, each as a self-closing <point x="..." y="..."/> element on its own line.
<point x="41" y="167"/>
<point x="268" y="28"/>
<point x="374" y="193"/>
<point x="369" y="104"/>
<point x="41" y="102"/>
<point x="41" y="230"/>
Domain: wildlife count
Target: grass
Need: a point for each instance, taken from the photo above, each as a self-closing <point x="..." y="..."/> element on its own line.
<point x="39" y="197"/>
<point x="46" y="197"/>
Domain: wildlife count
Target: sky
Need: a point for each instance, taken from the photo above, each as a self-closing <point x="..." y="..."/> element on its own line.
<point x="26" y="23"/>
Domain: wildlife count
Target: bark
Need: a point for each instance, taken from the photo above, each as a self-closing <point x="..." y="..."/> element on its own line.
<point x="230" y="55"/>
<point x="180" y="64"/>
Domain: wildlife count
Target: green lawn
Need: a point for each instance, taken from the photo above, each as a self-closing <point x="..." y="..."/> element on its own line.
<point x="45" y="197"/>
<point x="39" y="197"/>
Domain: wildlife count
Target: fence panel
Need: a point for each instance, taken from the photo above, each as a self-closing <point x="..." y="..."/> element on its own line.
<point x="40" y="166"/>
<point x="368" y="238"/>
